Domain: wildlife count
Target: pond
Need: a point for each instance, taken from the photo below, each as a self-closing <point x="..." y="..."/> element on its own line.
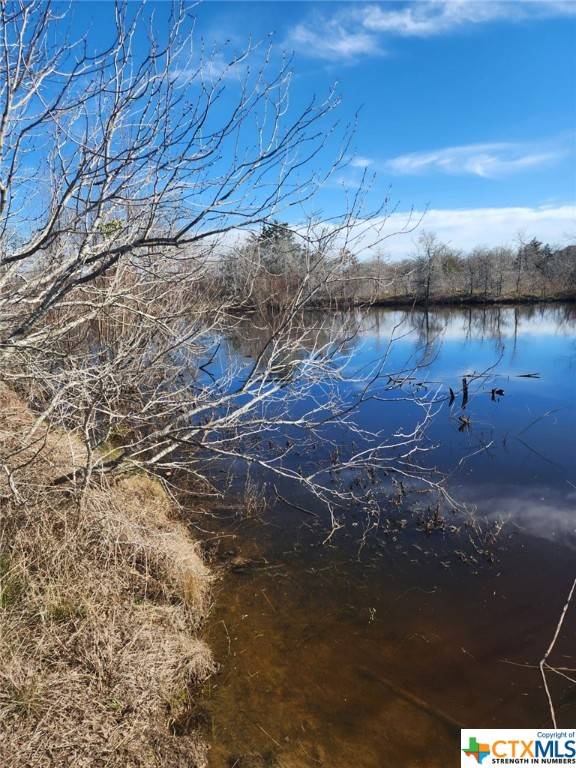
<point x="373" y="648"/>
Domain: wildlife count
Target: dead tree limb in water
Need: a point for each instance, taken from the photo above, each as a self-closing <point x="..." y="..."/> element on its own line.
<point x="543" y="664"/>
<point x="464" y="392"/>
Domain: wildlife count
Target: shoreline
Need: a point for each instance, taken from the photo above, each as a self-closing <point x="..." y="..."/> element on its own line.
<point x="400" y="302"/>
<point x="411" y="302"/>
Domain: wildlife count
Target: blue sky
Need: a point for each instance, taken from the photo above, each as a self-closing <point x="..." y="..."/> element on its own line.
<point x="467" y="107"/>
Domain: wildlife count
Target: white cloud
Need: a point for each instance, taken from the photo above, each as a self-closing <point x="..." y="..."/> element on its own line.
<point x="216" y="68"/>
<point x="471" y="227"/>
<point x="212" y="65"/>
<point x="330" y="39"/>
<point x="360" y="162"/>
<point x="436" y="17"/>
<point x="359" y="30"/>
<point x="486" y="160"/>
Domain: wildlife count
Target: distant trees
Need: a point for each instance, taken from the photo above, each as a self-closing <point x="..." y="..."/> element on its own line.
<point x="481" y="268"/>
<point x="281" y="259"/>
<point x="437" y="272"/>
<point x="534" y="269"/>
<point x="279" y="263"/>
<point x="270" y="266"/>
<point x="535" y="260"/>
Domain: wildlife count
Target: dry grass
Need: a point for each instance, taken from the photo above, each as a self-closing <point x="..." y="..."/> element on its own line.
<point x="100" y="606"/>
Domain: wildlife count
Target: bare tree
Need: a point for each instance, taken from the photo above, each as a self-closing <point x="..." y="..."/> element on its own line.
<point x="428" y="261"/>
<point x="116" y="155"/>
<point x="114" y="323"/>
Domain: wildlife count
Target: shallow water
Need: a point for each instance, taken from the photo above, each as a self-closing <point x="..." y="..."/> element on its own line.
<point x="373" y="652"/>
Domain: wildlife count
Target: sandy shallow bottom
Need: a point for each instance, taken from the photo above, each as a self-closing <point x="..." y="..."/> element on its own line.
<point x="328" y="660"/>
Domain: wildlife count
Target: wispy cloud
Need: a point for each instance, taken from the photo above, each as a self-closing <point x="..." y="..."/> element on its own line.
<point x="489" y="160"/>
<point x="331" y="39"/>
<point x="210" y="69"/>
<point x="360" y="162"/>
<point x="362" y="30"/>
<point x="437" y="17"/>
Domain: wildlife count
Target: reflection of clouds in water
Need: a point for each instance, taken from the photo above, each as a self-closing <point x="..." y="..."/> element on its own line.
<point x="540" y="511"/>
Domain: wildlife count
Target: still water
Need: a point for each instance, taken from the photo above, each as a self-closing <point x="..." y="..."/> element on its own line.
<point x="371" y="651"/>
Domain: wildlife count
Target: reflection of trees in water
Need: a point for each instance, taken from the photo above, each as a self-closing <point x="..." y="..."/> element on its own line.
<point x="334" y="332"/>
<point x="566" y="315"/>
<point x="567" y="321"/>
<point x="489" y="323"/>
<point x="427" y="329"/>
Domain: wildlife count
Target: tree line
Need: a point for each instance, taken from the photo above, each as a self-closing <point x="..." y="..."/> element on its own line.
<point x="274" y="262"/>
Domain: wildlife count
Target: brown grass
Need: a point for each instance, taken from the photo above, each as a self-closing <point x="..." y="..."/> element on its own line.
<point x="100" y="607"/>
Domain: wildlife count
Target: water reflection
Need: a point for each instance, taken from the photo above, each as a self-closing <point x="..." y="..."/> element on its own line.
<point x="372" y="655"/>
<point x="492" y="323"/>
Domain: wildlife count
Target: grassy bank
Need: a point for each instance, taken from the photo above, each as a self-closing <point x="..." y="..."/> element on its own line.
<point x="101" y="602"/>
